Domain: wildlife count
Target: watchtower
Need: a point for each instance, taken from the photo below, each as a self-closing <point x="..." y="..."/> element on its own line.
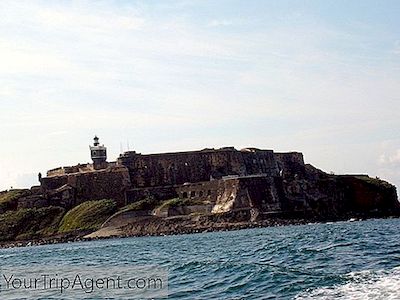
<point x="99" y="154"/>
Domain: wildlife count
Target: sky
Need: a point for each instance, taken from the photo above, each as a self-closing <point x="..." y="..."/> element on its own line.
<point x="318" y="77"/>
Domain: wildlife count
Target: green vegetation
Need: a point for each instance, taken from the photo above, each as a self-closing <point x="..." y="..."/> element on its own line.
<point x="87" y="216"/>
<point x="176" y="202"/>
<point x="30" y="223"/>
<point x="146" y="204"/>
<point x="8" y="199"/>
<point x="150" y="204"/>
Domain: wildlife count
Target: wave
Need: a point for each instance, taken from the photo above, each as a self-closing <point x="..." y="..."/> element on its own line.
<point x="370" y="284"/>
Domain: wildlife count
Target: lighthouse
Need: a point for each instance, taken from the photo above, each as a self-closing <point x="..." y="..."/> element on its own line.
<point x="98" y="154"/>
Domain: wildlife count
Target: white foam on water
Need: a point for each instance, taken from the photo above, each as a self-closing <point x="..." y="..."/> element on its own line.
<point x="363" y="285"/>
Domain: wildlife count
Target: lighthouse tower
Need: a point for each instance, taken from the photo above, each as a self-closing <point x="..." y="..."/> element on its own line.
<point x="99" y="154"/>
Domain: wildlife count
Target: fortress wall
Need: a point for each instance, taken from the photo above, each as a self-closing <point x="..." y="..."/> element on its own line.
<point x="290" y="157"/>
<point x="178" y="168"/>
<point x="164" y="176"/>
<point x="196" y="166"/>
<point x="187" y="210"/>
<point x="260" y="162"/>
<point x="105" y="184"/>
<point x="109" y="183"/>
<point x="158" y="193"/>
<point x="228" y="195"/>
<point x="262" y="192"/>
<point x="85" y="167"/>
<point x="292" y="163"/>
<point x="205" y="191"/>
<point x="70" y="170"/>
<point x="56" y="172"/>
<point x="54" y="182"/>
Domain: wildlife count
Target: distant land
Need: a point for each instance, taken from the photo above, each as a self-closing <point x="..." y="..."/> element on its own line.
<point x="185" y="192"/>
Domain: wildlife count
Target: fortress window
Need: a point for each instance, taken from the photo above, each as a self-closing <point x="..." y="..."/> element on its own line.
<point x="201" y="193"/>
<point x="192" y="194"/>
<point x="209" y="193"/>
<point x="184" y="194"/>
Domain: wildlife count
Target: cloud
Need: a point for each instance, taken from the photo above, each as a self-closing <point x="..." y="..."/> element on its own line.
<point x="388" y="162"/>
<point x="30" y="61"/>
<point x="96" y="17"/>
<point x="101" y="22"/>
<point x="219" y="23"/>
<point x="391" y="159"/>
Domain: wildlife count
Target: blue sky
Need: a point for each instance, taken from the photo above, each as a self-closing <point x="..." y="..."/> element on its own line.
<point x="320" y="77"/>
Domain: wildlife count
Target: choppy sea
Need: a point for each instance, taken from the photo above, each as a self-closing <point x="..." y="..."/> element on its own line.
<point x="342" y="260"/>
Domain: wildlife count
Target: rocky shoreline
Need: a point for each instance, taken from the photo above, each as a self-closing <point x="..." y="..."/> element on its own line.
<point x="183" y="227"/>
<point x="80" y="237"/>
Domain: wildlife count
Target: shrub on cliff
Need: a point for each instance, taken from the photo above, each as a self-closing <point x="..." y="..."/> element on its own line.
<point x="9" y="199"/>
<point x="30" y="223"/>
<point x="146" y="204"/>
<point x="176" y="202"/>
<point x="88" y="215"/>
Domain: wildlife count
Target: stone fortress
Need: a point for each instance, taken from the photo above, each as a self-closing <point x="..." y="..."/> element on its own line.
<point x="209" y="175"/>
<point x="214" y="181"/>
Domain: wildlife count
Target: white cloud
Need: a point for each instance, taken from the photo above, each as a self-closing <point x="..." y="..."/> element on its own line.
<point x="218" y="23"/>
<point x="30" y="61"/>
<point x="102" y="22"/>
<point x="388" y="162"/>
<point x="390" y="159"/>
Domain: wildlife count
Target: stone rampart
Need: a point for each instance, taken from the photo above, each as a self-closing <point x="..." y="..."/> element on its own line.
<point x="80" y="168"/>
<point x="196" y="166"/>
<point x="109" y="183"/>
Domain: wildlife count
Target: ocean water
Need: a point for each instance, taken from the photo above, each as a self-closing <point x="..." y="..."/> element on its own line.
<point x="343" y="260"/>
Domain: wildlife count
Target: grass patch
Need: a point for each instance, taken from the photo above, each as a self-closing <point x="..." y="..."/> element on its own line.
<point x="30" y="223"/>
<point x="177" y="202"/>
<point x="9" y="199"/>
<point x="88" y="215"/>
<point x="146" y="204"/>
<point x="172" y="203"/>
